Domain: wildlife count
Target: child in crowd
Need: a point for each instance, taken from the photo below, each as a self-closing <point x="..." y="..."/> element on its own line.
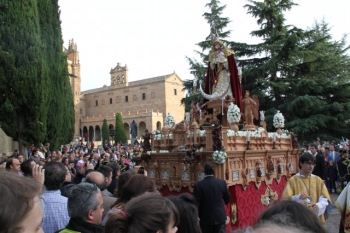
<point x="331" y="176"/>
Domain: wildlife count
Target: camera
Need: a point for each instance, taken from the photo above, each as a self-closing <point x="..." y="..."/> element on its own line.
<point x="141" y="171"/>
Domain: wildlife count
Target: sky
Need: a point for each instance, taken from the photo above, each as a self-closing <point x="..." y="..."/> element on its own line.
<point x="154" y="37"/>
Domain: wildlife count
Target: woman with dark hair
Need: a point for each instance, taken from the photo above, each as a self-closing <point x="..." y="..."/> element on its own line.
<point x="136" y="185"/>
<point x="122" y="179"/>
<point x="65" y="161"/>
<point x="186" y="205"/>
<point x="27" y="166"/>
<point x="293" y="214"/>
<point x="21" y="209"/>
<point x="48" y="159"/>
<point x="148" y="213"/>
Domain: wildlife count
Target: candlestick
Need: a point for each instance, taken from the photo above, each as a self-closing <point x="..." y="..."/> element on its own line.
<point x="248" y="146"/>
<point x="222" y="106"/>
<point x="274" y="145"/>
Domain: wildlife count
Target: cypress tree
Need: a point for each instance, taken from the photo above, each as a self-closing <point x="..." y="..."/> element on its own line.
<point x="120" y="135"/>
<point x="105" y="132"/>
<point x="60" y="121"/>
<point x="23" y="74"/>
<point x="198" y="69"/>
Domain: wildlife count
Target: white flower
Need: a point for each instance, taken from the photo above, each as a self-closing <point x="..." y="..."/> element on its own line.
<point x="169" y="121"/>
<point x="278" y="120"/>
<point x="157" y="136"/>
<point x="219" y="156"/>
<point x="156" y="132"/>
<point x="233" y="113"/>
<point x="200" y="133"/>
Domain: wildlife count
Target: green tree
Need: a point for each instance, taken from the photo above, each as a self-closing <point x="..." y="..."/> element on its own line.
<point x="105" y="132"/>
<point x="60" y="120"/>
<point x="120" y="135"/>
<point x="23" y="74"/>
<point x="302" y="73"/>
<point x="199" y="68"/>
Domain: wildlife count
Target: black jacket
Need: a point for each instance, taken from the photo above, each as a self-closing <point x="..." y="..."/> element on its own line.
<point x="343" y="169"/>
<point x="79" y="225"/>
<point x="211" y="193"/>
<point x="320" y="168"/>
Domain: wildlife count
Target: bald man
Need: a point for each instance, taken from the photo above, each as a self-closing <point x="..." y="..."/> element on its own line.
<point x="99" y="179"/>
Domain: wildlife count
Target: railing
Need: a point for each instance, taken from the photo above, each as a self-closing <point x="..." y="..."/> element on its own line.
<point x="125" y="113"/>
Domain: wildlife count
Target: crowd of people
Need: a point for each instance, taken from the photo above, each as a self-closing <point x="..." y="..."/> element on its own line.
<point x="86" y="189"/>
<point x="332" y="162"/>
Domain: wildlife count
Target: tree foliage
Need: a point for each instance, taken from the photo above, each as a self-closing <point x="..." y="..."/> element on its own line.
<point x="302" y="73"/>
<point x="36" y="101"/>
<point x="61" y="119"/>
<point x="105" y="131"/>
<point x="24" y="73"/>
<point x="120" y="135"/>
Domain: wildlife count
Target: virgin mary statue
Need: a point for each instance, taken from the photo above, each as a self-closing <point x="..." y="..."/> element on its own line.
<point x="222" y="75"/>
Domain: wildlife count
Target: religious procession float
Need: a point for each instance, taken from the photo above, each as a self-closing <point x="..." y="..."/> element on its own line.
<point x="254" y="163"/>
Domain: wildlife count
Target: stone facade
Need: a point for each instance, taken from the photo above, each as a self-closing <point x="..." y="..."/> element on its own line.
<point x="146" y="101"/>
<point x="75" y="81"/>
<point x="7" y="144"/>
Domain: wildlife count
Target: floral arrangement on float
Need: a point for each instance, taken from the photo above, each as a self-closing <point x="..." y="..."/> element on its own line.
<point x="169" y="121"/>
<point x="233" y="113"/>
<point x="254" y="133"/>
<point x="219" y="156"/>
<point x="278" y="121"/>
<point x="199" y="133"/>
<point x="157" y="135"/>
<point x="274" y="136"/>
<point x="151" y="152"/>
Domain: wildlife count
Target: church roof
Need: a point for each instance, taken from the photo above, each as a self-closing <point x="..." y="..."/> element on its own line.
<point x="151" y="80"/>
<point x="134" y="83"/>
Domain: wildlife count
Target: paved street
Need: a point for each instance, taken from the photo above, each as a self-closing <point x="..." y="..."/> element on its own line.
<point x="334" y="218"/>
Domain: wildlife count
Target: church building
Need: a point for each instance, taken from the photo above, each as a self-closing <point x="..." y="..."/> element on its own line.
<point x="145" y="101"/>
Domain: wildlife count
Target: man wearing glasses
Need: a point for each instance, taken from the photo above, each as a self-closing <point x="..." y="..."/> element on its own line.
<point x="85" y="208"/>
<point x="307" y="188"/>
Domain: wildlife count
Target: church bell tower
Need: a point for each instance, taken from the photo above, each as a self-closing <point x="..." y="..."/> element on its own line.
<point x="75" y="82"/>
<point x="119" y="75"/>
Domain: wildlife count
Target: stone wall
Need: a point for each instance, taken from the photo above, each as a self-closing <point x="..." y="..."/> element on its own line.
<point x="7" y="144"/>
<point x="146" y="101"/>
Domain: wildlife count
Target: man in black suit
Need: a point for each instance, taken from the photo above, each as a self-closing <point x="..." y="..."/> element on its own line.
<point x="320" y="168"/>
<point x="211" y="193"/>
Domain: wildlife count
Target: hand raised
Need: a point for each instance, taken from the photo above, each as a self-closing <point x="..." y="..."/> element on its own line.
<point x="38" y="173"/>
